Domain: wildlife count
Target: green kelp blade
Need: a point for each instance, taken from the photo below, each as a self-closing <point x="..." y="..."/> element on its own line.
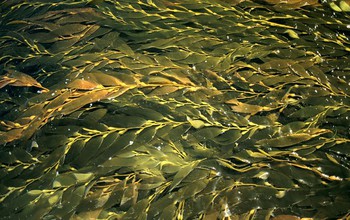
<point x="62" y="181"/>
<point x="122" y="142"/>
<point x="196" y="123"/>
<point x="228" y="137"/>
<point x="241" y="107"/>
<point x="71" y="198"/>
<point x="182" y="173"/>
<point x="88" y="151"/>
<point x="168" y="212"/>
<point x="291" y="139"/>
<point x="121" y="120"/>
<point x="138" y="211"/>
<point x="75" y="104"/>
<point x="206" y="133"/>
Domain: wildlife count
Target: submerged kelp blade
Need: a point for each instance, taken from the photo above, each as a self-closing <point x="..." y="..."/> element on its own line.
<point x="15" y="78"/>
<point x="83" y="100"/>
<point x="291" y="139"/>
<point x="82" y="84"/>
<point x="241" y="107"/>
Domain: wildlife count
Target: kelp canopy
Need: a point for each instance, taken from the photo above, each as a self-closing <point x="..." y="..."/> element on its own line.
<point x="174" y="109"/>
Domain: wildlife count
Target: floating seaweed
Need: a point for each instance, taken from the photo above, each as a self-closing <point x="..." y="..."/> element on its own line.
<point x="174" y="109"/>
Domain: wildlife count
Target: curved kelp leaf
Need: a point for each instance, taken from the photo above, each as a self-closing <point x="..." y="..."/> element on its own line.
<point x="292" y="139"/>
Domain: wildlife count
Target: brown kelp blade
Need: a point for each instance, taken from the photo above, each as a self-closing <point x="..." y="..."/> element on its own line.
<point x="16" y="78"/>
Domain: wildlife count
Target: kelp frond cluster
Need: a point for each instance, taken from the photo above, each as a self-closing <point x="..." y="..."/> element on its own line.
<point x="177" y="109"/>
